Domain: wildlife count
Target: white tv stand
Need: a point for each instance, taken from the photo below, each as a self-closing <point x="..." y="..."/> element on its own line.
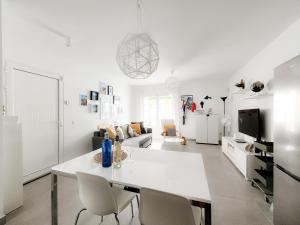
<point x="241" y="159"/>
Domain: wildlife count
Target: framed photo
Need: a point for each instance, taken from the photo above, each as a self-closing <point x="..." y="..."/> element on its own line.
<point x="83" y="100"/>
<point x="94" y="108"/>
<point x="103" y="88"/>
<point x="106" y="107"/>
<point x="110" y="90"/>
<point x="94" y="95"/>
<point x="187" y="98"/>
<point x="116" y="100"/>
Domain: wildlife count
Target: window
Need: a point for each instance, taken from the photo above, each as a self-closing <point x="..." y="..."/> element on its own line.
<point x="156" y="108"/>
<point x="150" y="109"/>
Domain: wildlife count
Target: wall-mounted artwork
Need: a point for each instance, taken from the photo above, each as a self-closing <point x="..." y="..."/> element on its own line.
<point x="106" y="107"/>
<point x="103" y="88"/>
<point x="83" y="100"/>
<point x="116" y="100"/>
<point x="94" y="95"/>
<point x="110" y="90"/>
<point x="94" y="108"/>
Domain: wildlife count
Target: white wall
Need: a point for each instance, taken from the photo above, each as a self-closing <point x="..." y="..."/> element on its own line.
<point x="198" y="88"/>
<point x="33" y="46"/>
<point x="261" y="67"/>
<point x="1" y="117"/>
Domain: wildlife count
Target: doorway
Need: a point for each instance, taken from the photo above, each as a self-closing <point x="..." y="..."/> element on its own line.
<point x="36" y="99"/>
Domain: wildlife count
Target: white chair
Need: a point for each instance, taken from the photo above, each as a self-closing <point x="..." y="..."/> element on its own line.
<point x="98" y="197"/>
<point x="160" y="208"/>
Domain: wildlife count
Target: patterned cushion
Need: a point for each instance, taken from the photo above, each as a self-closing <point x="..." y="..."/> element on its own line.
<point x="111" y="132"/>
<point x="125" y="131"/>
<point x="130" y="131"/>
<point x="143" y="129"/>
<point x="120" y="133"/>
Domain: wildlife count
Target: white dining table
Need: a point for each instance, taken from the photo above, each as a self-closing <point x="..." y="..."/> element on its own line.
<point x="180" y="173"/>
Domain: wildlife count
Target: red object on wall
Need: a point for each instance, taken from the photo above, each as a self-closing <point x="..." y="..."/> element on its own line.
<point x="194" y="107"/>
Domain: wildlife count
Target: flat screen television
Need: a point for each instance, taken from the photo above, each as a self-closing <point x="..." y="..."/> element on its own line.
<point x="249" y="122"/>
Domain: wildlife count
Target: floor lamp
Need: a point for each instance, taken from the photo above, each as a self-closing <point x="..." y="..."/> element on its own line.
<point x="224" y="99"/>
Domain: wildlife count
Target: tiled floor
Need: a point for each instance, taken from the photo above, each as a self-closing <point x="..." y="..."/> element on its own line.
<point x="234" y="201"/>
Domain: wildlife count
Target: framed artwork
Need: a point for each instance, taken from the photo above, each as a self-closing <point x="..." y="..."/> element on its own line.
<point x="116" y="100"/>
<point x="187" y="98"/>
<point x="106" y="107"/>
<point x="103" y="88"/>
<point x="94" y="108"/>
<point x="83" y="100"/>
<point x="94" y="95"/>
<point x="110" y="90"/>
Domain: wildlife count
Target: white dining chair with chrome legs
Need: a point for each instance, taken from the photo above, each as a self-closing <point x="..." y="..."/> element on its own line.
<point x="100" y="198"/>
<point x="161" y="208"/>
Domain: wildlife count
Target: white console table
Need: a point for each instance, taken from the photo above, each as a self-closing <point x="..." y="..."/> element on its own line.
<point x="243" y="160"/>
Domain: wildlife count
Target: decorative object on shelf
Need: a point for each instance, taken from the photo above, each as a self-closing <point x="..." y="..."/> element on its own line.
<point x="103" y="88"/>
<point x="137" y="55"/>
<point x="224" y="100"/>
<point x="83" y="99"/>
<point x="202" y="104"/>
<point x="207" y="97"/>
<point x="172" y="82"/>
<point x="94" y="95"/>
<point x="110" y="90"/>
<point x="241" y="84"/>
<point x="194" y="107"/>
<point x="250" y="148"/>
<point x="257" y="86"/>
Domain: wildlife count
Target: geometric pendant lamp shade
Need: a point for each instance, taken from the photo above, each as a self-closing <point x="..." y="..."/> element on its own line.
<point x="138" y="56"/>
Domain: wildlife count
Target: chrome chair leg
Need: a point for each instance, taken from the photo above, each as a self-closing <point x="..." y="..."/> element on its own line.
<point x="78" y="215"/>
<point x="138" y="201"/>
<point x="132" y="215"/>
<point x="102" y="220"/>
<point x="117" y="219"/>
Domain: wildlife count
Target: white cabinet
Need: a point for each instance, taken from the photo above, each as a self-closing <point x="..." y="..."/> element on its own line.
<point x="13" y="170"/>
<point x="244" y="161"/>
<point x="208" y="129"/>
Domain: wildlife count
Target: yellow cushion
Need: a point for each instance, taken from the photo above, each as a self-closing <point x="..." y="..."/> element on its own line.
<point x="169" y="125"/>
<point x="136" y="127"/>
<point x="111" y="132"/>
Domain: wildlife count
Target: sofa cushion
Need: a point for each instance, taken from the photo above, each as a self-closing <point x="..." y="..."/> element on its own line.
<point x="111" y="132"/>
<point x="125" y="131"/>
<point x="136" y="127"/>
<point x="171" y="132"/>
<point x="143" y="129"/>
<point x="130" y="131"/>
<point x="120" y="133"/>
<point x="137" y="141"/>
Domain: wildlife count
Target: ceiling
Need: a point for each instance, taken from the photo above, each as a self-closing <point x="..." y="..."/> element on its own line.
<point x="196" y="38"/>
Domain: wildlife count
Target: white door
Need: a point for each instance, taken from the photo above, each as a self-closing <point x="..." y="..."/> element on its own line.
<point x="213" y="129"/>
<point x="202" y="129"/>
<point x="36" y="104"/>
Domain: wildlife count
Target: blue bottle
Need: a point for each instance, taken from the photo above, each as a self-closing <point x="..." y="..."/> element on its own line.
<point x="106" y="151"/>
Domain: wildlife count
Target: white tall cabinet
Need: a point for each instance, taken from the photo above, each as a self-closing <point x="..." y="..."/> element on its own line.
<point x="207" y="129"/>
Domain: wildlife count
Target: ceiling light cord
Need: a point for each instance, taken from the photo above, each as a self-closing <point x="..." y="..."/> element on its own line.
<point x="139" y="15"/>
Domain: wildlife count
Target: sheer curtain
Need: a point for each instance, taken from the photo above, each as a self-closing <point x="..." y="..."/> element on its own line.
<point x="157" y="108"/>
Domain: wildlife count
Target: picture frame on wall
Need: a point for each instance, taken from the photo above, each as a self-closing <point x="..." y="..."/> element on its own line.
<point x="83" y="99"/>
<point x="116" y="100"/>
<point x="110" y="90"/>
<point x="94" y="108"/>
<point x="106" y="103"/>
<point x="94" y="95"/>
<point x="103" y="88"/>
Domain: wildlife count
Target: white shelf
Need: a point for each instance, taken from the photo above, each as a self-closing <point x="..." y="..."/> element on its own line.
<point x="254" y="95"/>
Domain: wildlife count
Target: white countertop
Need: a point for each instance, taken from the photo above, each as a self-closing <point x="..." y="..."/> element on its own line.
<point x="179" y="173"/>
